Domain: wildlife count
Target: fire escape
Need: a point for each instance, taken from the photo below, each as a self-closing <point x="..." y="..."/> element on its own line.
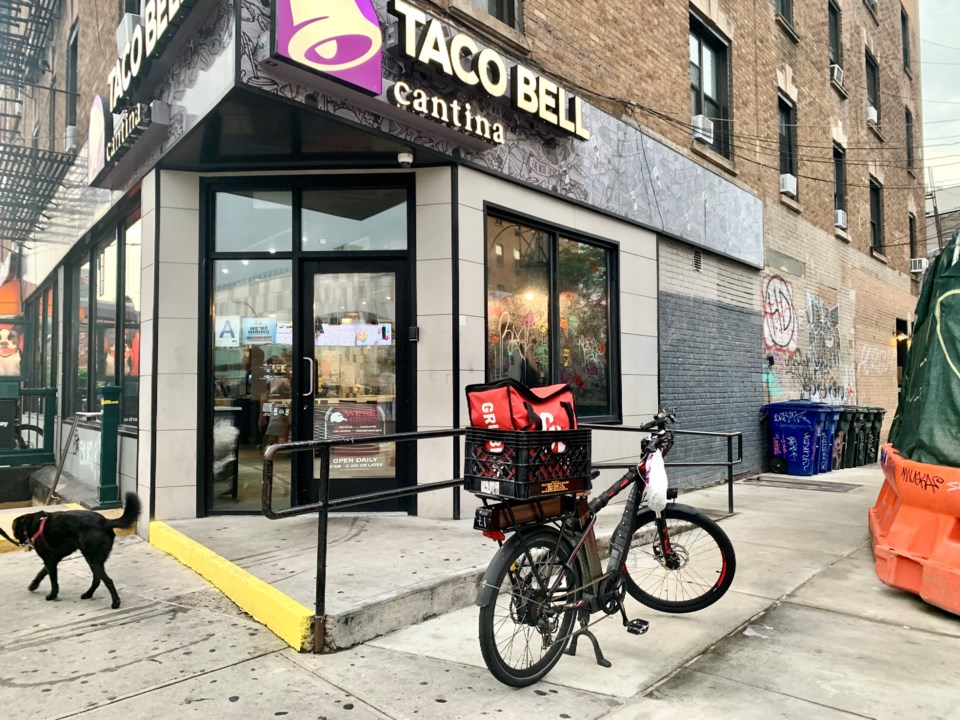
<point x="30" y="175"/>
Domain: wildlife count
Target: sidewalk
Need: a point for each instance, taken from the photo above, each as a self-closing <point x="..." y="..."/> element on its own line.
<point x="806" y="631"/>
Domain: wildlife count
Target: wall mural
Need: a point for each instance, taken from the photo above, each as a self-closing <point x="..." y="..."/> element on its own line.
<point x="815" y="371"/>
<point x="619" y="170"/>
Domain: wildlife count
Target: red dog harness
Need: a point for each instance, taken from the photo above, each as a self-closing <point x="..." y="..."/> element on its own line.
<point x="38" y="535"/>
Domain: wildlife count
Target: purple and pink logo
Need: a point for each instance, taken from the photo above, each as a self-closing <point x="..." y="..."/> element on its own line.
<point x="340" y="38"/>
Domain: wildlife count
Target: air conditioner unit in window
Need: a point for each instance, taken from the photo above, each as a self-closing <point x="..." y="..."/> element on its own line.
<point x="70" y="139"/>
<point x="872" y="114"/>
<point x="918" y="265"/>
<point x="840" y="219"/>
<point x="702" y="128"/>
<point x="125" y="30"/>
<point x="836" y="74"/>
<point x="788" y="184"/>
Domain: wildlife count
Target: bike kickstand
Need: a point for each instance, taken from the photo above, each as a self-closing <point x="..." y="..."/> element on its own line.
<point x="585" y="631"/>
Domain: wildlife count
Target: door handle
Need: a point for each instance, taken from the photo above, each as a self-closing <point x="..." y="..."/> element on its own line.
<point x="313" y="375"/>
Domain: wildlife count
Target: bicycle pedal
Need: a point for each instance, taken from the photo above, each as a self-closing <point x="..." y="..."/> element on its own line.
<point x="638" y="627"/>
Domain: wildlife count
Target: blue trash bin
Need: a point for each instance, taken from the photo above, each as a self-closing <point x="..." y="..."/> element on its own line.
<point x="795" y="428"/>
<point x="827" y="434"/>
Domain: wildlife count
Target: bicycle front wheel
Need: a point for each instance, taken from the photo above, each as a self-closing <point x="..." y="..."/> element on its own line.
<point x="527" y="623"/>
<point x="29" y="436"/>
<point x="686" y="567"/>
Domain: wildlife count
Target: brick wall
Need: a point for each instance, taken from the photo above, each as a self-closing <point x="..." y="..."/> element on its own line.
<point x="710" y="361"/>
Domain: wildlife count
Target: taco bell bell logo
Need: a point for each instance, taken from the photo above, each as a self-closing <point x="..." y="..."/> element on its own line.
<point x="339" y="38"/>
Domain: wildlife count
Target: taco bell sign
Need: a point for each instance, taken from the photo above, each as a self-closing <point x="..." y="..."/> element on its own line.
<point x="339" y="38"/>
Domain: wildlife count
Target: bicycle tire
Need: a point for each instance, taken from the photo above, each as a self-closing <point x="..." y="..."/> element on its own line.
<point x="706" y="561"/>
<point x="21" y="429"/>
<point x="518" y="622"/>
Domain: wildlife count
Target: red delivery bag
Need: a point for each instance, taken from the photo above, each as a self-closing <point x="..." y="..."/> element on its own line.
<point x="508" y="405"/>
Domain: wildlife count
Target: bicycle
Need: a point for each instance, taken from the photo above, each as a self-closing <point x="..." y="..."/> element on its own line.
<point x="27" y="437"/>
<point x="549" y="574"/>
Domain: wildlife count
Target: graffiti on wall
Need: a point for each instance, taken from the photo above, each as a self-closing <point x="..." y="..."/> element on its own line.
<point x="817" y="369"/>
<point x="876" y="359"/>
<point x="823" y="323"/>
<point x="779" y="315"/>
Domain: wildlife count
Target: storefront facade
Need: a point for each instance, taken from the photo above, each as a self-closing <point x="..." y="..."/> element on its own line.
<point x="303" y="237"/>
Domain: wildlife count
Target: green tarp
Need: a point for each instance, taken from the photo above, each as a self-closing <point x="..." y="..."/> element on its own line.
<point x="926" y="427"/>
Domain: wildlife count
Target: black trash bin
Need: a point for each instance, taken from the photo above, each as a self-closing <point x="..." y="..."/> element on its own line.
<point x="873" y="436"/>
<point x="844" y="423"/>
<point x="865" y="434"/>
<point x="854" y="437"/>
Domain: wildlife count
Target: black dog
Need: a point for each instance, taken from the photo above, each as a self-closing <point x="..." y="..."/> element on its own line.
<point x="56" y="535"/>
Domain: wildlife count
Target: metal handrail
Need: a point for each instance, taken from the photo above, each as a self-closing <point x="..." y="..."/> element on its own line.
<point x="701" y="433"/>
<point x="324" y="505"/>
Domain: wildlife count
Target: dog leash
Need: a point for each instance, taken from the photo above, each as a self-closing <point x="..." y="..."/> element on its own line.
<point x="31" y="543"/>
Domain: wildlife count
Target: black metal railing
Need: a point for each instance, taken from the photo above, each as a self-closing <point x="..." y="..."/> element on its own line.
<point x="324" y="505"/>
<point x="729" y="437"/>
<point x="31" y="438"/>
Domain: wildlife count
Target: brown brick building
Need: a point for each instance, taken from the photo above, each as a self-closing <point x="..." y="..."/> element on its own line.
<point x="704" y="204"/>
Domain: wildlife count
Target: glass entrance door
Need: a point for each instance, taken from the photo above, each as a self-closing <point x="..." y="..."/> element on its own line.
<point x="355" y="378"/>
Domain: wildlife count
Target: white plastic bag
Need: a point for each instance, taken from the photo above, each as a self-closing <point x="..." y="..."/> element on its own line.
<point x="656" y="483"/>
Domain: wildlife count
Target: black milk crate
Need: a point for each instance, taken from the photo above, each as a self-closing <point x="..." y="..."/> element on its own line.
<point x="521" y="465"/>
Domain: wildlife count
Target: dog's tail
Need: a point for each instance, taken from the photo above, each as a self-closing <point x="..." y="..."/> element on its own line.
<point x="131" y="512"/>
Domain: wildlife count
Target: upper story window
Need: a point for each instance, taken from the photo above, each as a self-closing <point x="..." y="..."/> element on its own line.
<point x="876" y="215"/>
<point x="905" y="38"/>
<point x="839" y="178"/>
<point x="506" y="11"/>
<point x="836" y="44"/>
<point x="912" y="228"/>
<point x="873" y="89"/>
<point x="72" y="78"/>
<point x="785" y="9"/>
<point x="788" y="137"/>
<point x="908" y="136"/>
<point x="709" y="86"/>
<point x="130" y="6"/>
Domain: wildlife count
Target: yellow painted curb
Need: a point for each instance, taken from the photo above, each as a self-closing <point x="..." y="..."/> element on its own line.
<point x="288" y="619"/>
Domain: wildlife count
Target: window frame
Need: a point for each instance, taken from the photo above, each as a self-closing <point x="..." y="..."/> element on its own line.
<point x="723" y="123"/>
<point x="509" y="12"/>
<point x="789" y="161"/>
<point x="876" y="215"/>
<point x="835" y="25"/>
<point x="872" y="67"/>
<point x="111" y="231"/>
<point x="908" y="139"/>
<point x="72" y="76"/>
<point x="912" y="234"/>
<point x="784" y="8"/>
<point x="905" y="38"/>
<point x="557" y="232"/>
<point x="839" y="178"/>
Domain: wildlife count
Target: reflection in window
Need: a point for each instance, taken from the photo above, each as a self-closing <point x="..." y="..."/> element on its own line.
<point x="131" y="323"/>
<point x="106" y="356"/>
<point x="584" y="274"/>
<point x="80" y="342"/>
<point x="48" y="378"/>
<point x="254" y="221"/>
<point x="354" y="219"/>
<point x="252" y="371"/>
<point x="545" y="327"/>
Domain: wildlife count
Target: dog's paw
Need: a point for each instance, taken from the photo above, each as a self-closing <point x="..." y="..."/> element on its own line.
<point x="86" y="596"/>
<point x="52" y="596"/>
<point x="115" y="604"/>
<point x="33" y="586"/>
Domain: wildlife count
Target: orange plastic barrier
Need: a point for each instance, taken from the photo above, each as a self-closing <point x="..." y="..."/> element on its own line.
<point x="915" y="528"/>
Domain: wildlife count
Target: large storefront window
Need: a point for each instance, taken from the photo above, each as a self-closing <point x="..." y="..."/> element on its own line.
<point x="103" y="313"/>
<point x="130" y="370"/>
<point x="549" y="316"/>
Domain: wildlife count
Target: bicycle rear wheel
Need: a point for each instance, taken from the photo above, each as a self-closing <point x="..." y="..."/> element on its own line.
<point x="527" y="623"/>
<point x="691" y="570"/>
